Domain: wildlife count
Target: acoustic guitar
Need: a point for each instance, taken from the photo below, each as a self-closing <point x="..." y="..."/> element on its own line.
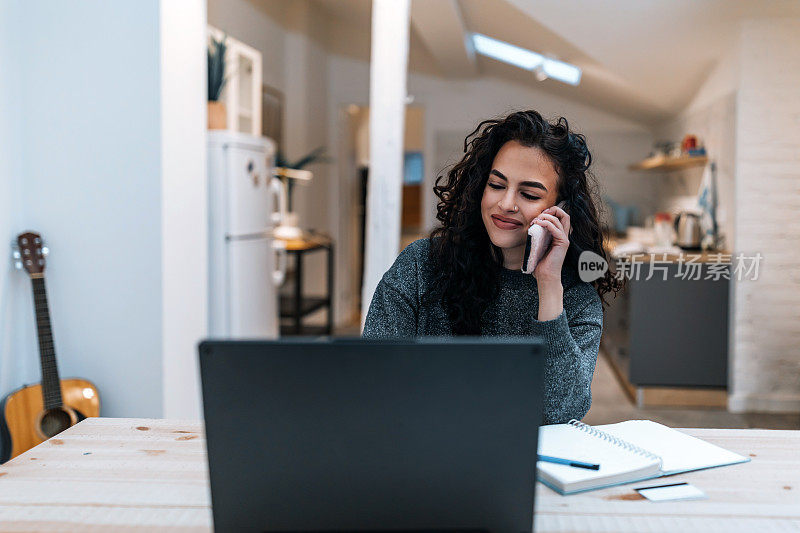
<point x="34" y="413"/>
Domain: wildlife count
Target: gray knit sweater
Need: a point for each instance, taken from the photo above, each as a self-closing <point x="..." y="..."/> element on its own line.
<point x="572" y="339"/>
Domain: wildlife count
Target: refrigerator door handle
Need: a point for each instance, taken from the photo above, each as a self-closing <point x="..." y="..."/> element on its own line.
<point x="257" y="236"/>
<point x="280" y="274"/>
<point x="276" y="188"/>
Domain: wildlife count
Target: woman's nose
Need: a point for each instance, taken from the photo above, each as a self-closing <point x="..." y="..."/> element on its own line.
<point x="507" y="201"/>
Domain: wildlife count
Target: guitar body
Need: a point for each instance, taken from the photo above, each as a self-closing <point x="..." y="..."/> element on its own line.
<point x="24" y="422"/>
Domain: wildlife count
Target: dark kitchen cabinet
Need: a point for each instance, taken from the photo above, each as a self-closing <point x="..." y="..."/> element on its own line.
<point x="671" y="332"/>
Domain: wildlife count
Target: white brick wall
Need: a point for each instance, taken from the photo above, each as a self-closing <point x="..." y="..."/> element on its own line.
<point x="765" y="359"/>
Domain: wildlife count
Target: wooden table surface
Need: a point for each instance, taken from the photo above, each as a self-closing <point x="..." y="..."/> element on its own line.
<point x="758" y="496"/>
<point x="150" y="475"/>
<point x="307" y="241"/>
<point x="110" y="474"/>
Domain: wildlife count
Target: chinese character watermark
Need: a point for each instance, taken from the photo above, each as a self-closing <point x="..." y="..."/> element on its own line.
<point x="686" y="266"/>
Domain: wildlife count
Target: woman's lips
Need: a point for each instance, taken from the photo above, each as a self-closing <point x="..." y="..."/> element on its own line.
<point x="502" y="224"/>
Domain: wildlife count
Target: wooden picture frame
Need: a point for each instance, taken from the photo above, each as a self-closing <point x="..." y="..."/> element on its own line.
<point x="272" y="102"/>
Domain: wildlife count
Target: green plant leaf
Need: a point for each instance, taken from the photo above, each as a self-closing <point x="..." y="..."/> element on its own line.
<point x="216" y="68"/>
<point x="315" y="156"/>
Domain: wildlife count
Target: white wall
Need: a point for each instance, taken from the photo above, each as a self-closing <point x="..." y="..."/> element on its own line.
<point x="765" y="370"/>
<point x="304" y="123"/>
<point x="722" y="79"/>
<point x="612" y="153"/>
<point x="93" y="181"/>
<point x="91" y="154"/>
<point x="10" y="286"/>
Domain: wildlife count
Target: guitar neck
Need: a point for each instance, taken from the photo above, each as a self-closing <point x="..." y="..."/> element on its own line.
<point x="51" y="384"/>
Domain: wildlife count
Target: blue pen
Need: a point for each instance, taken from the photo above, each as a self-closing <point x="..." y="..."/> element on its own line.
<point x="568" y="462"/>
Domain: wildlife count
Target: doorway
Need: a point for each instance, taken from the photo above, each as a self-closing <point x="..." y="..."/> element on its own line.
<point x="354" y="176"/>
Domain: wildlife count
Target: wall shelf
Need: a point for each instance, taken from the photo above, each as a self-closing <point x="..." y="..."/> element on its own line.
<point x="661" y="162"/>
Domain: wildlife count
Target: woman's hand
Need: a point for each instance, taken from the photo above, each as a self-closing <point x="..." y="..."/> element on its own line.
<point x="548" y="270"/>
<point x="556" y="221"/>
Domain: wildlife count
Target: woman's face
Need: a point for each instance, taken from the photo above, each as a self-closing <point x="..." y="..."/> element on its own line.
<point x="522" y="177"/>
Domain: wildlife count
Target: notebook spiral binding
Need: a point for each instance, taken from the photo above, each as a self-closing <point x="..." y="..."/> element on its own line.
<point x="616" y="441"/>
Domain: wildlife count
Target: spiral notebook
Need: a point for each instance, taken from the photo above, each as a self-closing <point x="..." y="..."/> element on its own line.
<point x="627" y="451"/>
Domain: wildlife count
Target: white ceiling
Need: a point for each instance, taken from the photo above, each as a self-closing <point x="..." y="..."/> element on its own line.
<point x="642" y="60"/>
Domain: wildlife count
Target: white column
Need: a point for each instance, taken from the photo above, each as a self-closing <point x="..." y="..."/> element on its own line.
<point x="387" y="95"/>
<point x="184" y="222"/>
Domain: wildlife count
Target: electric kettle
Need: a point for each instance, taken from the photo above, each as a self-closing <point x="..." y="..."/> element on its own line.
<point x="687" y="230"/>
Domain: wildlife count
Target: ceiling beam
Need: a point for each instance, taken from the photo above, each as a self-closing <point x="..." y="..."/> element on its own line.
<point x="441" y="27"/>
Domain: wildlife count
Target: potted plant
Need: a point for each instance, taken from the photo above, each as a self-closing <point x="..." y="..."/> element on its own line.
<point x="217" y="116"/>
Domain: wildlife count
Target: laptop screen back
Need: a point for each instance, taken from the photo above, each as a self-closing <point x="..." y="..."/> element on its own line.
<point x="337" y="435"/>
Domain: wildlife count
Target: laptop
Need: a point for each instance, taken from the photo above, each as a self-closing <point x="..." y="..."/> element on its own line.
<point x="346" y="434"/>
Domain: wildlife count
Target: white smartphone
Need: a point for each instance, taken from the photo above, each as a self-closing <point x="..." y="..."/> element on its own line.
<point x="537" y="244"/>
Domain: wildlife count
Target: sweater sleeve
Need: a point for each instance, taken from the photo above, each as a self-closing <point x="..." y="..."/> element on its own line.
<point x="393" y="309"/>
<point x="571" y="347"/>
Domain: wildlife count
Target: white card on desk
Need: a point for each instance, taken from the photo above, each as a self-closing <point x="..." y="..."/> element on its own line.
<point x="671" y="492"/>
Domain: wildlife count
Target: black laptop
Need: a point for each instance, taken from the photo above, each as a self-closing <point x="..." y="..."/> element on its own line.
<point x="432" y="434"/>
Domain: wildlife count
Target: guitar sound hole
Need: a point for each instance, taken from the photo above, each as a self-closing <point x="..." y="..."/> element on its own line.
<point x="54" y="421"/>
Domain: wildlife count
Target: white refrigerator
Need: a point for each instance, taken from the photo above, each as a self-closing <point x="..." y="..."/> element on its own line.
<point x="246" y="265"/>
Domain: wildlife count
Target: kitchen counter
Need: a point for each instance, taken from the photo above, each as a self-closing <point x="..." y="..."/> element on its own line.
<point x="652" y="253"/>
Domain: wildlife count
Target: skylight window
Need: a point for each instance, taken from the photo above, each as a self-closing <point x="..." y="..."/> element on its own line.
<point x="526" y="59"/>
<point x="519" y="57"/>
<point x="562" y="71"/>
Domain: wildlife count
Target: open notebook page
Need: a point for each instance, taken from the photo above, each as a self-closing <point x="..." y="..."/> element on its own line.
<point x="679" y="451"/>
<point x="616" y="463"/>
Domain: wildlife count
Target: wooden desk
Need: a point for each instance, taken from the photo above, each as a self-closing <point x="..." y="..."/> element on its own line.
<point x="110" y="474"/>
<point x="758" y="496"/>
<point x="150" y="475"/>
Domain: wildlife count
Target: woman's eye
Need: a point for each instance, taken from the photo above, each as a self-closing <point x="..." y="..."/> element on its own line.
<point x="524" y="195"/>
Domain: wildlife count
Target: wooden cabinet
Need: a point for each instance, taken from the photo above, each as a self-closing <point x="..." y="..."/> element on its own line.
<point x="242" y="91"/>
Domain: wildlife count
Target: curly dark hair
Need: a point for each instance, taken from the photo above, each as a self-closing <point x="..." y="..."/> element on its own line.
<point x="465" y="278"/>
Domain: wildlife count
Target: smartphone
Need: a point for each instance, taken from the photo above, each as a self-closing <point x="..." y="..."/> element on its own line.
<point x="537" y="244"/>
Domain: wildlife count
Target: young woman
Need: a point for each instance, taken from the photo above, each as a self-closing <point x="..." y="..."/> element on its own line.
<point x="466" y="278"/>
